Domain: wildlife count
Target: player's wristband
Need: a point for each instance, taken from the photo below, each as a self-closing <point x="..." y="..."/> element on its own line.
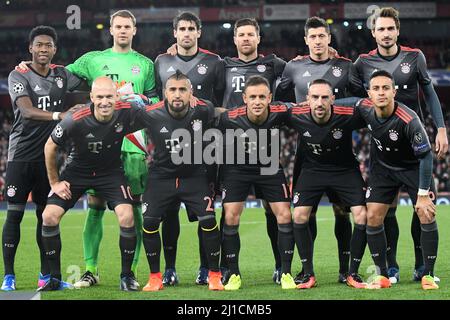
<point x="55" y="116"/>
<point x="422" y="192"/>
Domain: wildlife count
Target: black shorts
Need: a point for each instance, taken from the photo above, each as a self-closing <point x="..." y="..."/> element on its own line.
<point x="236" y="186"/>
<point x="25" y="177"/>
<point x="384" y="184"/>
<point x="165" y="194"/>
<point x="111" y="186"/>
<point x="346" y="184"/>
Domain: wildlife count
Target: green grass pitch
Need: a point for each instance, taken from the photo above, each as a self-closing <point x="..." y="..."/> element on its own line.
<point x="256" y="262"/>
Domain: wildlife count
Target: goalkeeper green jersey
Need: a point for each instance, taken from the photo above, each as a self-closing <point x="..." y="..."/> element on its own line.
<point x="131" y="67"/>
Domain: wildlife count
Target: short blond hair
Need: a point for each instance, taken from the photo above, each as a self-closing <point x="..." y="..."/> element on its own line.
<point x="123" y="14"/>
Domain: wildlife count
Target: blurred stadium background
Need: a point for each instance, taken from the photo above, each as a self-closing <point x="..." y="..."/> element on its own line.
<point x="424" y="25"/>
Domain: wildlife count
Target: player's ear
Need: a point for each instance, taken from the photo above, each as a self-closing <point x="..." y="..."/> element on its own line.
<point x="270" y="97"/>
<point x="199" y="32"/>
<point x="244" y="97"/>
<point x="91" y="96"/>
<point x="134" y="30"/>
<point x="329" y="38"/>
<point x="111" y="31"/>
<point x="30" y="48"/>
<point x="332" y="99"/>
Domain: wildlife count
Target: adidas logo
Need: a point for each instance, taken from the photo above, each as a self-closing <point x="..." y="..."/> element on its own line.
<point x="105" y="67"/>
<point x="37" y="88"/>
<point x="90" y="135"/>
<point x="307" y="134"/>
<point x="163" y="130"/>
<point x="306" y="74"/>
<point x="171" y="69"/>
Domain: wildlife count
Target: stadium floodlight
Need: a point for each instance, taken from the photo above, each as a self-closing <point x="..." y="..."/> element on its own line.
<point x="346" y="24"/>
<point x="226" y="25"/>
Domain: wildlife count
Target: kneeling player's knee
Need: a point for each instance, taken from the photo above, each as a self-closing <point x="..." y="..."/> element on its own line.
<point x="150" y="224"/>
<point x="208" y="223"/>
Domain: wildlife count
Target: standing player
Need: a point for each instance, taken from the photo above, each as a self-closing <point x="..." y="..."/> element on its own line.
<point x="237" y="71"/>
<point x="297" y="76"/>
<point x="124" y="66"/>
<point x="261" y="117"/>
<point x="205" y="71"/>
<point x="170" y="183"/>
<point x="401" y="157"/>
<point x="95" y="134"/>
<point x="409" y="69"/>
<point x="37" y="96"/>
<point x="325" y="141"/>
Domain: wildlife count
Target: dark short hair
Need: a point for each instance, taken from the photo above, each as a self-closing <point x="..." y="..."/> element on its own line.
<point x="386" y="12"/>
<point x="322" y="81"/>
<point x="316" y="22"/>
<point x="382" y="73"/>
<point x="123" y="14"/>
<point x="187" y="16"/>
<point x="178" y="75"/>
<point x="256" y="81"/>
<point x="43" y="30"/>
<point x="246" y="22"/>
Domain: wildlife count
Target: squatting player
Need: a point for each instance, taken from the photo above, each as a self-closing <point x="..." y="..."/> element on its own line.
<point x="401" y="157"/>
<point x="205" y="71"/>
<point x="329" y="164"/>
<point x="262" y="117"/>
<point x="95" y="134"/>
<point x="170" y="183"/>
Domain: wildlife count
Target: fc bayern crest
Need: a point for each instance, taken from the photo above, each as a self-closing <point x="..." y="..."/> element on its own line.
<point x="224" y="193"/>
<point x="202" y="69"/>
<point x="196" y="124"/>
<point x="368" y="192"/>
<point x="11" y="191"/>
<point x="59" y="82"/>
<point x="118" y="127"/>
<point x="296" y="197"/>
<point x="337" y="134"/>
<point x="337" y="72"/>
<point x="135" y="70"/>
<point x="261" y="68"/>
<point x="393" y="135"/>
<point x="405" y="67"/>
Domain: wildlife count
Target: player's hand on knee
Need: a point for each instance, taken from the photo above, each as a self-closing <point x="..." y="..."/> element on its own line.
<point x="62" y="190"/>
<point x="425" y="207"/>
